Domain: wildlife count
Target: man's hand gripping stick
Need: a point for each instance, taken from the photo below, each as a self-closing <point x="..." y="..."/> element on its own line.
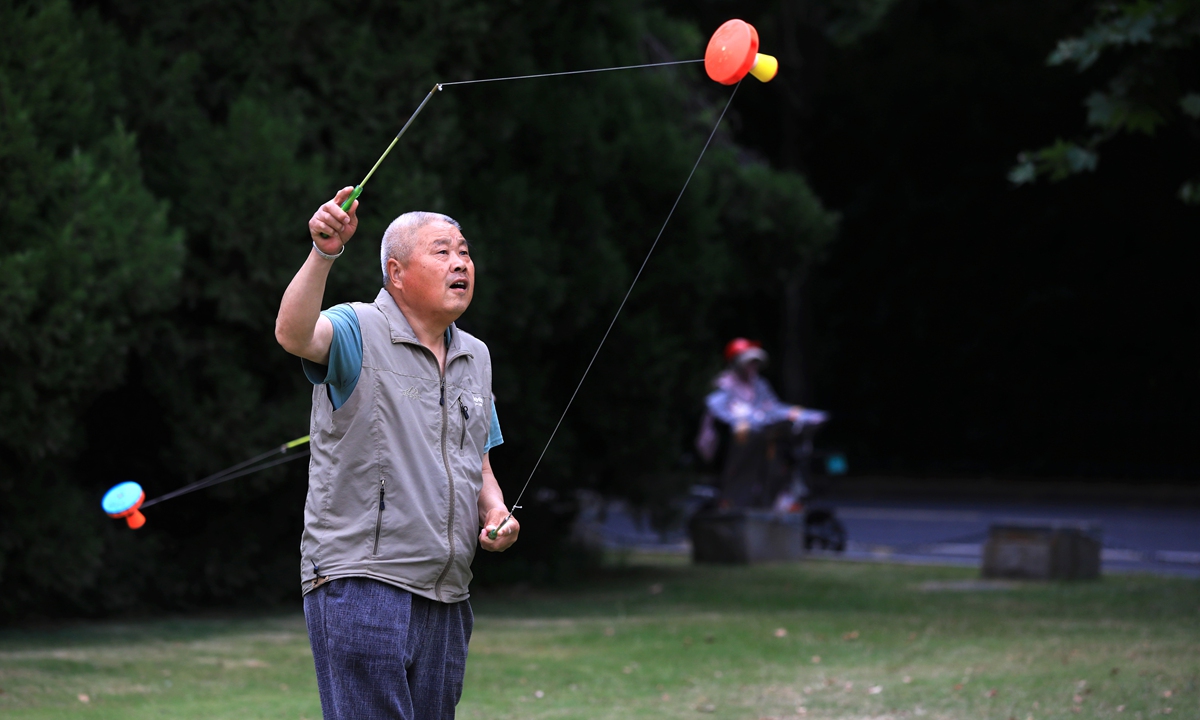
<point x="496" y="530"/>
<point x="350" y="201"/>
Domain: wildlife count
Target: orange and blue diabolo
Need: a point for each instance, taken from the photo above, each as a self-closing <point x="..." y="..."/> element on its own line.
<point x="123" y="501"/>
<point x="732" y="53"/>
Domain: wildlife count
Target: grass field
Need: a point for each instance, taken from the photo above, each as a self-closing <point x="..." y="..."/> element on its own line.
<point x="656" y="639"/>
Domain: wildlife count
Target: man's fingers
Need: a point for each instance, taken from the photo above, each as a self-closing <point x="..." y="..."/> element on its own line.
<point x="486" y="541"/>
<point x="505" y="536"/>
<point x="331" y="221"/>
<point x="321" y="228"/>
<point x="333" y="216"/>
<point x="337" y="213"/>
<point x="507" y="529"/>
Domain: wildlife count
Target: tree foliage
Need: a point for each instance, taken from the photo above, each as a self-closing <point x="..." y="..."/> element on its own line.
<point x="89" y="267"/>
<point x="161" y="160"/>
<point x="1150" y="48"/>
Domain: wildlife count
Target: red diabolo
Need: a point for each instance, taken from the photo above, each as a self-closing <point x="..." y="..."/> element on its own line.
<point x="733" y="52"/>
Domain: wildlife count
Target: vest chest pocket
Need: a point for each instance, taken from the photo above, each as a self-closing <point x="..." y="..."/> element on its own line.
<point x="468" y="425"/>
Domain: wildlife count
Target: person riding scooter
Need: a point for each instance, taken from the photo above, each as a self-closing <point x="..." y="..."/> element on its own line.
<point x="762" y="428"/>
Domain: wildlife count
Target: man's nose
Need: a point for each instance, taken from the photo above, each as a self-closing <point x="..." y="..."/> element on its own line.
<point x="460" y="264"/>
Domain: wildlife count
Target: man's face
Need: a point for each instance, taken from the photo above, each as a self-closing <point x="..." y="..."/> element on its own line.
<point x="438" y="279"/>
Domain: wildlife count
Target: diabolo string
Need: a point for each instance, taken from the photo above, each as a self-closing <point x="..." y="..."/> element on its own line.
<point x="645" y="261"/>
<point x="570" y="72"/>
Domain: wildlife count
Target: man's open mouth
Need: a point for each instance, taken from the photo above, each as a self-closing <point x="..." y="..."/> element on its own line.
<point x="458" y="285"/>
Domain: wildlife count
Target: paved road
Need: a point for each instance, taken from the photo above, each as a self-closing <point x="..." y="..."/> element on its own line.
<point x="1156" y="539"/>
<point x="1136" y="538"/>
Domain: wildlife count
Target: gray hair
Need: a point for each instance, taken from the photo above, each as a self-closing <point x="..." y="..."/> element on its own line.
<point x="401" y="236"/>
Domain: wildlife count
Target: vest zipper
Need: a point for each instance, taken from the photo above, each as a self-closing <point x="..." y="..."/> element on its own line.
<point x="378" y="518"/>
<point x="466" y="417"/>
<point x="437" y="585"/>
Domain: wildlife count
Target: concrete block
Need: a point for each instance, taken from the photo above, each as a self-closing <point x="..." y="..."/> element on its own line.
<point x="746" y="536"/>
<point x="1047" y="550"/>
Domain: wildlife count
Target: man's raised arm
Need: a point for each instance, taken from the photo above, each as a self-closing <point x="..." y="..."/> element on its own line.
<point x="299" y="327"/>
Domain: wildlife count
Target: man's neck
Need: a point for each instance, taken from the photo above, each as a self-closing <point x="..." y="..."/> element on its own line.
<point x="430" y="333"/>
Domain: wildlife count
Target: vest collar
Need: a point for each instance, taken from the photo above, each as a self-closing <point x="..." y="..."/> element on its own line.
<point x="402" y="332"/>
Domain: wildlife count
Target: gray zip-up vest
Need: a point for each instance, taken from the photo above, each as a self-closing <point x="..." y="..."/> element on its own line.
<point x="395" y="473"/>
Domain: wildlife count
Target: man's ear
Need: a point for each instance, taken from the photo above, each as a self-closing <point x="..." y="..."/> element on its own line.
<point x="395" y="271"/>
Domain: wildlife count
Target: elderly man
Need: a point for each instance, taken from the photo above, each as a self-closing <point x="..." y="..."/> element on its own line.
<point x="400" y="485"/>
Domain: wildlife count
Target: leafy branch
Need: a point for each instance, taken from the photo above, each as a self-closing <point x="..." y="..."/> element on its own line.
<point x="1149" y="40"/>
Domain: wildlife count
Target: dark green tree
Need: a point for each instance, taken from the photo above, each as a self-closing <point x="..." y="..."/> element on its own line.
<point x="89" y="267"/>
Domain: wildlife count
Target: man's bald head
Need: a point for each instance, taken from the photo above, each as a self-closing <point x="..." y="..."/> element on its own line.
<point x="401" y="236"/>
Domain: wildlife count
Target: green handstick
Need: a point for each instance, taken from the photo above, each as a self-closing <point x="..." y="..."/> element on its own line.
<point x="359" y="187"/>
<point x="353" y="196"/>
<point x="492" y="534"/>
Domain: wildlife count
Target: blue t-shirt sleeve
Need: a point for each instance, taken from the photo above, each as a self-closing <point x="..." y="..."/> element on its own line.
<point x="345" y="356"/>
<point x="494" y="436"/>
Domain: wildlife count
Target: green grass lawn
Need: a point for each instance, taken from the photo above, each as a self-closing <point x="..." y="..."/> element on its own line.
<point x="813" y="640"/>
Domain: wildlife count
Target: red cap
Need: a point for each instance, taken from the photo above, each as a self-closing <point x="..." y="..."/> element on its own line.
<point x="737" y="346"/>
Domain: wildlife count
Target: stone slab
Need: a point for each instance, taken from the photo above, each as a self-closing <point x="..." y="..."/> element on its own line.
<point x="1043" y="551"/>
<point x="746" y="536"/>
